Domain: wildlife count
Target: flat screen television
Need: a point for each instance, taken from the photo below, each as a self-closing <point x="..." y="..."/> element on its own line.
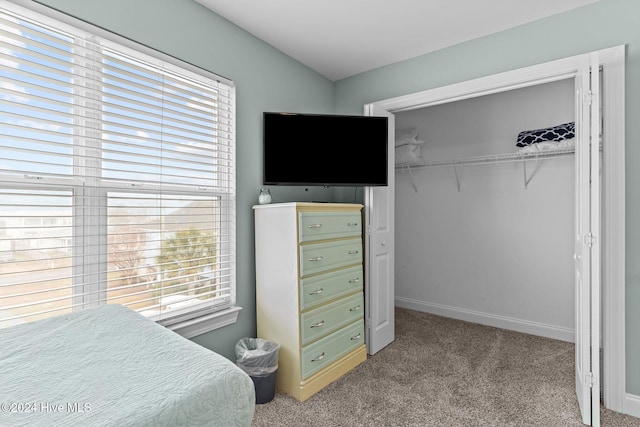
<point x="327" y="150"/>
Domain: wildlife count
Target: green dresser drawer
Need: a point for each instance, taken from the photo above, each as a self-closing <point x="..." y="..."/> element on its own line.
<point x="326" y="287"/>
<point x="329" y="225"/>
<point x="318" y="257"/>
<point x="324" y="352"/>
<point x="331" y="317"/>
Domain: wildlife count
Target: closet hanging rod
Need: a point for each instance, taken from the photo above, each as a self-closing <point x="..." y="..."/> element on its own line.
<point x="490" y="159"/>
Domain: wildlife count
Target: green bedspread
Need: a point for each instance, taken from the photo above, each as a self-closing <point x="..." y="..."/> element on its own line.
<point x="110" y="366"/>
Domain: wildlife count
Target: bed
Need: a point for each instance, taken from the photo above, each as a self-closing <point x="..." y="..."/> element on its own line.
<point x="110" y="366"/>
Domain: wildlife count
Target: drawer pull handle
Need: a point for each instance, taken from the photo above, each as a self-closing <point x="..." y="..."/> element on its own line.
<point x="352" y="224"/>
<point x="319" y="358"/>
<point x="356" y="280"/>
<point x="317" y="325"/>
<point x="314" y="226"/>
<point x="357" y="337"/>
<point x="319" y="291"/>
<point x="356" y="308"/>
<point x="353" y="252"/>
<point x="318" y="258"/>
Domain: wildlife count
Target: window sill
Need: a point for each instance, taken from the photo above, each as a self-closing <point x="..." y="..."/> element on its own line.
<point x="194" y="327"/>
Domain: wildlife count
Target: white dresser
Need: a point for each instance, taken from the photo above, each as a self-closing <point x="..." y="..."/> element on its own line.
<point x="309" y="291"/>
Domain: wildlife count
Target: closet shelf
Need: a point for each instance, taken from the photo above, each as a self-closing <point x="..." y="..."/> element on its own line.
<point x="489" y="159"/>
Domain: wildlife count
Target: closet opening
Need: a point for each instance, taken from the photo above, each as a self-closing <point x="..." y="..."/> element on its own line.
<point x="485" y="207"/>
<point x="484" y="228"/>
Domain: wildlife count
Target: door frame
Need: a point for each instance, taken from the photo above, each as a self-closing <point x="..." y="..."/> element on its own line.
<point x="612" y="61"/>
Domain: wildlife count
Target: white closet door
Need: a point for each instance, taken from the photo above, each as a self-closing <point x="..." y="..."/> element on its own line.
<point x="587" y="241"/>
<point x="379" y="244"/>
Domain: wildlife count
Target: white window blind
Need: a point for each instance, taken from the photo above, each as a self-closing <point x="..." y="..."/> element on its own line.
<point x="117" y="177"/>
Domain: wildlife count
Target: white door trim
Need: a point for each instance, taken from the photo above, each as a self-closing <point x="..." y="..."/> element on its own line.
<point x="613" y="229"/>
<point x="613" y="175"/>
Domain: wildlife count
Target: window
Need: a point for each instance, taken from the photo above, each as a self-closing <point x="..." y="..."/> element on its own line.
<point x="117" y="178"/>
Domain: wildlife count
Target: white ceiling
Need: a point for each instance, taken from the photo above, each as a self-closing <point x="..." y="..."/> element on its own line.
<point x="340" y="38"/>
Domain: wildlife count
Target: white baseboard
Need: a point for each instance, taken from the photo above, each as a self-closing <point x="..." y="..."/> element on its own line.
<point x="632" y="405"/>
<point x="504" y="322"/>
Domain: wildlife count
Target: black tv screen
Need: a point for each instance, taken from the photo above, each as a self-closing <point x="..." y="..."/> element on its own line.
<point x="328" y="150"/>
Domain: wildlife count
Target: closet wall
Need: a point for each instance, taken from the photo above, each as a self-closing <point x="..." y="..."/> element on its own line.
<point x="493" y="252"/>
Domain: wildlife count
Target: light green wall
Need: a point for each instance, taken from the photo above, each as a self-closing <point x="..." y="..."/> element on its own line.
<point x="604" y="24"/>
<point x="267" y="80"/>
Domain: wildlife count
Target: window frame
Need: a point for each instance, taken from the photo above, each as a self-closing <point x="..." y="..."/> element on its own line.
<point x="211" y="318"/>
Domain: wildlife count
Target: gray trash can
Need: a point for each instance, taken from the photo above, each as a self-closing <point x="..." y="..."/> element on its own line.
<point x="259" y="359"/>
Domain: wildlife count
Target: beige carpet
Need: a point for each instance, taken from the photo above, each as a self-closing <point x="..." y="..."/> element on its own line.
<point x="445" y="372"/>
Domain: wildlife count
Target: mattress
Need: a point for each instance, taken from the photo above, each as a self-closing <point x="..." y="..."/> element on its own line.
<point x="110" y="366"/>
